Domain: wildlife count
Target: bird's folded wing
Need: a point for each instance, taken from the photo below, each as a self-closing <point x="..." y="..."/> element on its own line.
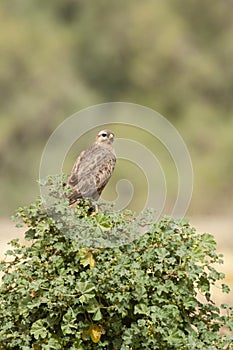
<point x="91" y="171"/>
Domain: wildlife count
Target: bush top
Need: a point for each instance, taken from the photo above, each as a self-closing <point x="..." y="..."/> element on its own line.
<point x="58" y="294"/>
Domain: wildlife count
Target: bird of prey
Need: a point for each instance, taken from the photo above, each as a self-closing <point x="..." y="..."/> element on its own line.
<point x="93" y="168"/>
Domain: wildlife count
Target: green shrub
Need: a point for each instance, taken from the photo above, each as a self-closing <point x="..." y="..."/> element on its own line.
<point x="59" y="294"/>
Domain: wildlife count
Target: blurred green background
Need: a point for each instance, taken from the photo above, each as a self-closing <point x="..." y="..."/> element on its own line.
<point x="58" y="57"/>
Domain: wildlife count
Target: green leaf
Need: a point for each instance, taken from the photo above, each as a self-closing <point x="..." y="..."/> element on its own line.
<point x="103" y="222"/>
<point x="92" y="306"/>
<point x="39" y="330"/>
<point x="97" y="316"/>
<point x="225" y="288"/>
<point x="141" y="309"/>
<point x="84" y="287"/>
<point x="10" y="252"/>
<point x="54" y="343"/>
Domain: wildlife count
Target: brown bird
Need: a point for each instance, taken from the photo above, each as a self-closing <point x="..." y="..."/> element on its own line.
<point x="93" y="168"/>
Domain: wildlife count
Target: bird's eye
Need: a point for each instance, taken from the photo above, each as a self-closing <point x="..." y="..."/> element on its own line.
<point x="104" y="134"/>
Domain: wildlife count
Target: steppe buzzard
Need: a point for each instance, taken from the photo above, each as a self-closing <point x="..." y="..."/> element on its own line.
<point x="93" y="168"/>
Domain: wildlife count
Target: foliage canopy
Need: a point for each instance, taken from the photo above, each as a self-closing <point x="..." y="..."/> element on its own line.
<point x="58" y="294"/>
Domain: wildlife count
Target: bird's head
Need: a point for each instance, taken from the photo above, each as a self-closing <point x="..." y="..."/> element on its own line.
<point x="106" y="136"/>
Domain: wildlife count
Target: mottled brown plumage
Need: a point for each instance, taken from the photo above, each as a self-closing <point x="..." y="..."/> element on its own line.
<point x="93" y="168"/>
